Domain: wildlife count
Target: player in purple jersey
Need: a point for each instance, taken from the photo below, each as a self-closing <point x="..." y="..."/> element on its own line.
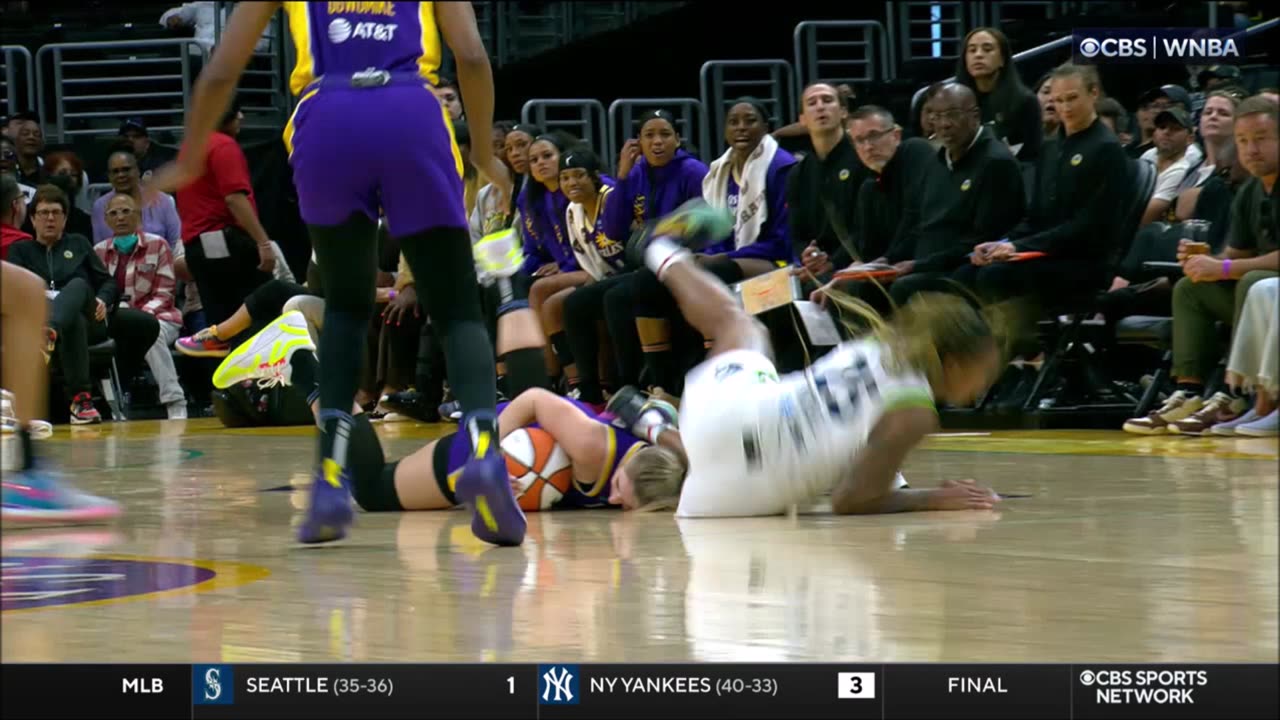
<point x="630" y="456"/>
<point x="367" y="134"/>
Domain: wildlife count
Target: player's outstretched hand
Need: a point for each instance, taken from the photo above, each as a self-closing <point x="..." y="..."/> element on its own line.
<point x="964" y="495"/>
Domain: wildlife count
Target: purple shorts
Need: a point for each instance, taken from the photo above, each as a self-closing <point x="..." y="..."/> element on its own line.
<point x="358" y="149"/>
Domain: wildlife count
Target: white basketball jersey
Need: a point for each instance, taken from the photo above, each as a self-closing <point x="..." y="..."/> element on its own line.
<point x="824" y="414"/>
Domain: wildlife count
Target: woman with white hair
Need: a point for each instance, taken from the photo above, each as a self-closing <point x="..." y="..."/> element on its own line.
<point x="1255" y="362"/>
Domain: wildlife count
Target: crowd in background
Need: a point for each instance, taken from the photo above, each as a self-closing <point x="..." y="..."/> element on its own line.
<point x="992" y="189"/>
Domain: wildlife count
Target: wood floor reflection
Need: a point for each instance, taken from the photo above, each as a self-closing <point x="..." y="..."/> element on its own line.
<point x="1126" y="549"/>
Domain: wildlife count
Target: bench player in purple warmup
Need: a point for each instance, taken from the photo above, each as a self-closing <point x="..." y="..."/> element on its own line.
<point x="368" y="133"/>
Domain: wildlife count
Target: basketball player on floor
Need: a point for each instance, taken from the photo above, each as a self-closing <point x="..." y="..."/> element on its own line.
<point x="639" y="467"/>
<point x="758" y="444"/>
<point x="368" y="131"/>
<point x="33" y="493"/>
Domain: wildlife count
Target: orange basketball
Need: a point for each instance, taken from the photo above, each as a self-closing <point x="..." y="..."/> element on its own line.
<point x="541" y="468"/>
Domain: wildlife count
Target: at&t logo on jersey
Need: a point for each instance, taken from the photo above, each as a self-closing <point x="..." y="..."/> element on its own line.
<point x="212" y="684"/>
<point x="341" y="30"/>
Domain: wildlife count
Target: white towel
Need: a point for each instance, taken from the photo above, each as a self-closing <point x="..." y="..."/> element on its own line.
<point x="753" y="206"/>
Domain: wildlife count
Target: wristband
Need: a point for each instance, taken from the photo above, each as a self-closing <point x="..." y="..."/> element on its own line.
<point x="1226" y="269"/>
<point x="391" y="294"/>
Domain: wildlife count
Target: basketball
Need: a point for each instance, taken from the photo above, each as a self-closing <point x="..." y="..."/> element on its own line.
<point x="542" y="470"/>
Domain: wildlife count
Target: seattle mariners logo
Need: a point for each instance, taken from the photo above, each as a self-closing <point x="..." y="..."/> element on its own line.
<point x="212" y="685"/>
<point x="558" y="685"/>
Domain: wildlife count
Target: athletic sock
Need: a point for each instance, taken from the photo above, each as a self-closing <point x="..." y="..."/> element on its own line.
<point x="525" y="369"/>
<point x="335" y="436"/>
<point x="661" y="252"/>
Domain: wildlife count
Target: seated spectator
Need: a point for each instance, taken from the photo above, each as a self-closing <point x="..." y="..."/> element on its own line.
<point x="795" y="138"/>
<point x="575" y="335"/>
<point x="1173" y="156"/>
<point x="1081" y="186"/>
<point x="1215" y="287"/>
<point x="142" y="266"/>
<point x="28" y="137"/>
<point x="159" y="217"/>
<point x="549" y="261"/>
<point x="227" y="251"/>
<point x="1217" y="126"/>
<point x="1113" y="115"/>
<point x="200" y="16"/>
<point x="13" y="212"/>
<point x="1254" y="364"/>
<point x="822" y="192"/>
<point x="656" y="175"/>
<point x="65" y="171"/>
<point x="924" y="115"/>
<point x="9" y="166"/>
<point x="891" y="203"/>
<point x="516" y="151"/>
<point x="1048" y="116"/>
<point x="979" y="200"/>
<point x="1007" y="105"/>
<point x="148" y="155"/>
<point x="750" y="180"/>
<point x="84" y="296"/>
<point x="1214" y="77"/>
<point x="1150" y="104"/>
<point x="450" y="99"/>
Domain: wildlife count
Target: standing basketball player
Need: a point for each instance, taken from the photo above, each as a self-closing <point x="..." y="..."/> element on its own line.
<point x="369" y="132"/>
<point x="758" y="444"/>
<point x="32" y="492"/>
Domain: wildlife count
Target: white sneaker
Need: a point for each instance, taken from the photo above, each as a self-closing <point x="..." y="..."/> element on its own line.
<point x="265" y="356"/>
<point x="177" y="410"/>
<point x="1228" y="429"/>
<point x="1268" y="426"/>
<point x="1178" y="406"/>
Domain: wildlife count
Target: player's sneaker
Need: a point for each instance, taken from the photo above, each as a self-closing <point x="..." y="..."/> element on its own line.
<point x="498" y="255"/>
<point x="484" y="487"/>
<point x="39" y="496"/>
<point x="329" y="510"/>
<point x="202" y="344"/>
<point x="694" y="225"/>
<point x="265" y="356"/>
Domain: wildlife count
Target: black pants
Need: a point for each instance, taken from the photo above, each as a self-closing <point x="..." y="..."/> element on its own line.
<point x="1045" y="280"/>
<point x="71" y="316"/>
<point x="582" y="325"/>
<point x="225" y="282"/>
<point x="1155" y="242"/>
<point x="653" y="300"/>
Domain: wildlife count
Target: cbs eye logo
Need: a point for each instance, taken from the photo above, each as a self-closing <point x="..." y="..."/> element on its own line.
<point x="1090" y="47"/>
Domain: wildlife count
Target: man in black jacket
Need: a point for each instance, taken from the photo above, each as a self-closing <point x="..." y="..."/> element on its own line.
<point x="822" y="192"/>
<point x="82" y="295"/>
<point x="979" y="199"/>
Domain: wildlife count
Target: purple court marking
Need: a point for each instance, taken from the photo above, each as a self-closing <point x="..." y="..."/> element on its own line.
<point x="35" y="582"/>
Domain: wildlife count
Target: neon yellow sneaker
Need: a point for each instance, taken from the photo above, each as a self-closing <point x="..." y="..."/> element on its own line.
<point x="498" y="255"/>
<point x="265" y="357"/>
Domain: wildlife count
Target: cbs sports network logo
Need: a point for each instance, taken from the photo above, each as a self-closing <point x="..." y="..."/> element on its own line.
<point x="1149" y="46"/>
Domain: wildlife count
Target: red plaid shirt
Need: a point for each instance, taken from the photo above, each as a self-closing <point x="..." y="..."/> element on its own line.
<point x="148" y="276"/>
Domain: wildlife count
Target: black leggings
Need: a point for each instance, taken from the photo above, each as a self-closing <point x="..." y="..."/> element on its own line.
<point x="582" y="319"/>
<point x="71" y="316"/>
<point x="373" y="479"/>
<point x="266" y="303"/>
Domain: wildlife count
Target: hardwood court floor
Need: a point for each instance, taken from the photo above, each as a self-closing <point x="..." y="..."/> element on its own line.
<point x="1128" y="549"/>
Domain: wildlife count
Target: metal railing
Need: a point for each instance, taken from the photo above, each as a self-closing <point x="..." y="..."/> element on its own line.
<point x="772" y="83"/>
<point x="850" y="57"/>
<point x="583" y="118"/>
<point x="927" y="30"/>
<point x="19" y="82"/>
<point x="96" y="84"/>
<point x="690" y="115"/>
<point x="264" y="87"/>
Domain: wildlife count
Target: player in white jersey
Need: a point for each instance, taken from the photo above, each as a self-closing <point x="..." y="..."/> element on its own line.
<point x="758" y="443"/>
